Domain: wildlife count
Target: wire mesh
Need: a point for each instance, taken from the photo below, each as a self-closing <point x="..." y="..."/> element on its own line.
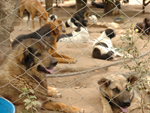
<point x="78" y="82"/>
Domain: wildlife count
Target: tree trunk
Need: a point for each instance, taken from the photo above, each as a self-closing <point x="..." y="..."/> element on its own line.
<point x="108" y="6"/>
<point x="8" y="14"/>
<point x="49" y="6"/>
<point x="81" y="5"/>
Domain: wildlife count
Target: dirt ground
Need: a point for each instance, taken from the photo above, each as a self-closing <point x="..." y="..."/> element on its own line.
<point x="82" y="89"/>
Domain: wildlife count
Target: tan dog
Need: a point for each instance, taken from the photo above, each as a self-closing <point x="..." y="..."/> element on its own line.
<point x="117" y="96"/>
<point x="26" y="66"/>
<point x="34" y="8"/>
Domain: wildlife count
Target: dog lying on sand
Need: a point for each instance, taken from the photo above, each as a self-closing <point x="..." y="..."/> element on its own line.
<point x="119" y="93"/>
<point x="25" y="67"/>
<point x="103" y="47"/>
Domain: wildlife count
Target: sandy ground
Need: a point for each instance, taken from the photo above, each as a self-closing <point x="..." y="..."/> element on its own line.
<point x="82" y="89"/>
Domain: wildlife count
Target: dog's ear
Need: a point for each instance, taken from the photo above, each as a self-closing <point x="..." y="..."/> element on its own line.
<point x="104" y="82"/>
<point x="132" y="79"/>
<point x="48" y="41"/>
<point x="59" y="21"/>
<point x="27" y="58"/>
<point x="54" y="28"/>
<point x="86" y="15"/>
<point x="56" y="31"/>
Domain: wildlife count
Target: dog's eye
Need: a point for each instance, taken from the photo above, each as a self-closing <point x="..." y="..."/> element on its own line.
<point x="116" y="90"/>
<point x="38" y="54"/>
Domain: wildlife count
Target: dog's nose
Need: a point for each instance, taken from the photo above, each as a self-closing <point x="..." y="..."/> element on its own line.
<point x="63" y="30"/>
<point x="54" y="62"/>
<point x="126" y="103"/>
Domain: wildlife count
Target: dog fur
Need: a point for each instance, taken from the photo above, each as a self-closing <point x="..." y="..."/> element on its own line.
<point x="143" y="27"/>
<point x="117" y="95"/>
<point x="26" y="66"/>
<point x="80" y="35"/>
<point x="97" y="5"/>
<point x="53" y="17"/>
<point x="34" y="8"/>
<point x="103" y="47"/>
<point x="78" y="19"/>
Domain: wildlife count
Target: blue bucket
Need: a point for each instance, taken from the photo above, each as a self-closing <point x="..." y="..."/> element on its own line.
<point x="6" y="106"/>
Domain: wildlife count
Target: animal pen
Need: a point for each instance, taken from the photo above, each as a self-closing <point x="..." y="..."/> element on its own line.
<point x="78" y="81"/>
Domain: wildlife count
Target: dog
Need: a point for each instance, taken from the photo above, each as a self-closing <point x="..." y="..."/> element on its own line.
<point x="100" y="5"/>
<point x="78" y="18"/>
<point x="53" y="29"/>
<point x="53" y="17"/>
<point x="119" y="94"/>
<point x="143" y="27"/>
<point x="103" y="47"/>
<point x="34" y="8"/>
<point x="125" y="1"/>
<point x="81" y="35"/>
<point x="26" y="67"/>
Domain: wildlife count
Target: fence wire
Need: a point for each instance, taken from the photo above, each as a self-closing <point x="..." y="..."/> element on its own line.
<point x="78" y="82"/>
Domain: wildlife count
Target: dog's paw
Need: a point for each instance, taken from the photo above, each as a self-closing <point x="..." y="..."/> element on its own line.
<point x="73" y="61"/>
<point x="74" y="109"/>
<point x="53" y="92"/>
<point x="110" y="53"/>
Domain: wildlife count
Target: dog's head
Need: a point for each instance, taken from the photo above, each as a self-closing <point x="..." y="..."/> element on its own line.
<point x="93" y="19"/>
<point x="34" y="57"/>
<point x="110" y="33"/>
<point x="147" y="21"/>
<point x="86" y="15"/>
<point x="53" y="17"/>
<point x="117" y="90"/>
<point x="44" y="16"/>
<point x="58" y="27"/>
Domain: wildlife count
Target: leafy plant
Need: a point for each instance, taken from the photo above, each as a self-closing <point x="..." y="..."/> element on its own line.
<point x="30" y="102"/>
<point x="140" y="65"/>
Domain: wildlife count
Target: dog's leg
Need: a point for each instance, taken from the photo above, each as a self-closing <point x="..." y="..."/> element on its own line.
<point x="40" y="21"/>
<point x="28" y="22"/>
<point x="58" y="106"/>
<point x="106" y="106"/>
<point x="33" y="15"/>
<point x="63" y="60"/>
<point x="53" y="92"/>
<point x="21" y="15"/>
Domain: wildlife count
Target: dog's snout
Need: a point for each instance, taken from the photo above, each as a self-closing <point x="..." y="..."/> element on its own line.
<point x="126" y="103"/>
<point x="63" y="30"/>
<point x="54" y="62"/>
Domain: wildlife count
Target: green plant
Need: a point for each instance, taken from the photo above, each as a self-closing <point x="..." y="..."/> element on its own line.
<point x="31" y="103"/>
<point x="139" y="64"/>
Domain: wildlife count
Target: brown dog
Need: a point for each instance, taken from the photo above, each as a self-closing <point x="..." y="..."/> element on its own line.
<point x="34" y="8"/>
<point x="54" y="29"/>
<point x="26" y="66"/>
<point x="117" y="95"/>
<point x="143" y="27"/>
<point x="58" y="29"/>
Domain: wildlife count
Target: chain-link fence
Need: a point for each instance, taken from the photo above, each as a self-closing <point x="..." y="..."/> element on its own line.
<point x="103" y="58"/>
